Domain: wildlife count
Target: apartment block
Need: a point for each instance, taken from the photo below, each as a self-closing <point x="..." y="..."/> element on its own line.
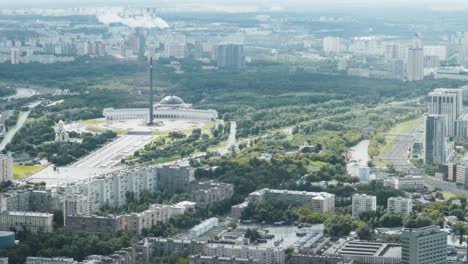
<point x="203" y="227"/>
<point x="200" y="259"/>
<point x="424" y="245"/>
<point x="399" y="205"/>
<point x="132" y="223"/>
<point x="151" y="248"/>
<point x="6" y="168"/>
<point x="363" y="203"/>
<point x="208" y="193"/>
<point x="265" y="255"/>
<point x="407" y="183"/>
<point x="462" y="174"/>
<point x="174" y="179"/>
<point x="31" y="221"/>
<point x="320" y="201"/>
<point x="41" y="260"/>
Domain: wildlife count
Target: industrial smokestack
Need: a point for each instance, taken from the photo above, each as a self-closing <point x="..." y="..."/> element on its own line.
<point x="151" y="92"/>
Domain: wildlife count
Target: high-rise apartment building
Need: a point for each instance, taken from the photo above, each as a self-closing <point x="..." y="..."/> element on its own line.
<point x="363" y="203"/>
<point x="398" y="69"/>
<point x="76" y="204"/>
<point x="399" y="205"/>
<point x="435" y="140"/>
<point x="462" y="174"/>
<point x="332" y="45"/>
<point x="6" y="168"/>
<point x="174" y="50"/>
<point x="448" y="102"/>
<point x="415" y="65"/>
<point x="15" y="55"/>
<point x="426" y="245"/>
<point x="391" y="52"/>
<point x="431" y="61"/>
<point x="174" y="179"/>
<point x="439" y="51"/>
<point x="230" y="56"/>
<point x="463" y="51"/>
<point x="461" y="126"/>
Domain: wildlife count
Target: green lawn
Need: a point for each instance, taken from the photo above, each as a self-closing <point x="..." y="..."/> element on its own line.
<point x="402" y="128"/>
<point x="318" y="163"/>
<point x="120" y="131"/>
<point x="407" y="126"/>
<point x="92" y="121"/>
<point x="21" y="172"/>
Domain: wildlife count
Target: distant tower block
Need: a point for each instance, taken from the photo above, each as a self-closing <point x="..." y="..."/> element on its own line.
<point x="151" y="109"/>
<point x="6" y="168"/>
<point x="61" y="135"/>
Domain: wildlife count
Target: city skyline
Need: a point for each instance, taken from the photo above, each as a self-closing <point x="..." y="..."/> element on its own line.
<point x="233" y="132"/>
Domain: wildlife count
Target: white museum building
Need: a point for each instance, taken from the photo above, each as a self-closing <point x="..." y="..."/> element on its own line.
<point x="170" y="107"/>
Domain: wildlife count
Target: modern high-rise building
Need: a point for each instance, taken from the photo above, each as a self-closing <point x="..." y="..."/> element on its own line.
<point x="461" y="126"/>
<point x="415" y="65"/>
<point x="435" y="140"/>
<point x="398" y="69"/>
<point x="174" y="179"/>
<point x="332" y="45"/>
<point x="462" y="174"/>
<point x="426" y="245"/>
<point x="15" y="55"/>
<point x="463" y="51"/>
<point x="448" y="102"/>
<point x="439" y="51"/>
<point x="174" y="50"/>
<point x="363" y="203"/>
<point x="123" y="48"/>
<point x="48" y="48"/>
<point x="431" y="61"/>
<point x="138" y="42"/>
<point x="68" y="49"/>
<point x="391" y="52"/>
<point x="399" y="205"/>
<point x="231" y="56"/>
<point x="6" y="168"/>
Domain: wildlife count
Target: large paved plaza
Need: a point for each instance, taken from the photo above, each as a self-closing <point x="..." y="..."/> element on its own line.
<point x="135" y="134"/>
<point x="136" y="126"/>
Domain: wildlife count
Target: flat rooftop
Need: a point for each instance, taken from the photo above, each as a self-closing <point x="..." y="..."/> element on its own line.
<point x="368" y="248"/>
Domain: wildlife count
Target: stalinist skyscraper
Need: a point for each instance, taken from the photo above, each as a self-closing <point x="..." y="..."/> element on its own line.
<point x="415" y="67"/>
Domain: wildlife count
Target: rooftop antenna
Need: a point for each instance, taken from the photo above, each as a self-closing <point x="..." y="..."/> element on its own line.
<point x="151" y="92"/>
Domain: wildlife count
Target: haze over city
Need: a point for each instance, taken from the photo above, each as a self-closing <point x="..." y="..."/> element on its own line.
<point x="233" y="132"/>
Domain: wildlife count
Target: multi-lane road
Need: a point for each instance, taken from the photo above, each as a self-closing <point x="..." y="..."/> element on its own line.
<point x="398" y="156"/>
<point x="21" y="121"/>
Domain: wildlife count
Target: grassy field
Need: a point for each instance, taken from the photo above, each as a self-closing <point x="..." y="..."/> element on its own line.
<point x="407" y="126"/>
<point x="382" y="147"/>
<point x="318" y="163"/>
<point x="21" y="172"/>
<point x="402" y="128"/>
<point x="92" y="121"/>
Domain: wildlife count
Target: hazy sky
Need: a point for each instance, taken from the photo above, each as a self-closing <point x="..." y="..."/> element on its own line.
<point x="453" y="5"/>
